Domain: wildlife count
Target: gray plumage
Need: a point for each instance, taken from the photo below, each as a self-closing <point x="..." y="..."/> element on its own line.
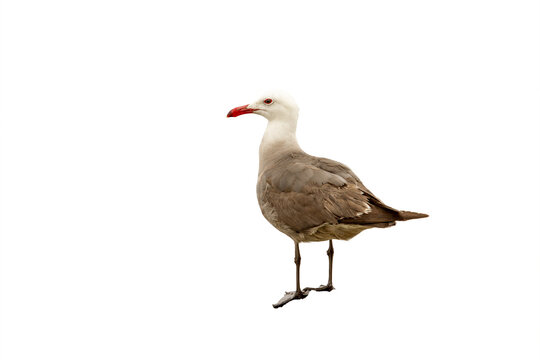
<point x="314" y="199"/>
<point x="307" y="197"/>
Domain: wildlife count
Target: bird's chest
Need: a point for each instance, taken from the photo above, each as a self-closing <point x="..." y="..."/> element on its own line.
<point x="265" y="205"/>
<point x="268" y="208"/>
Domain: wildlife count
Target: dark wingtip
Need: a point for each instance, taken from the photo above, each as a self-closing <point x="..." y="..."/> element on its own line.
<point x="410" y="215"/>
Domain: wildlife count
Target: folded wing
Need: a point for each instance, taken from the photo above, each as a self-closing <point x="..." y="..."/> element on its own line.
<point x="306" y="192"/>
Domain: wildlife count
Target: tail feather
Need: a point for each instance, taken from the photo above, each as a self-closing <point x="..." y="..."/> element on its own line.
<point x="409" y="215"/>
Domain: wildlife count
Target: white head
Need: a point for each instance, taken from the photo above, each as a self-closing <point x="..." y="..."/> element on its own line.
<point x="273" y="105"/>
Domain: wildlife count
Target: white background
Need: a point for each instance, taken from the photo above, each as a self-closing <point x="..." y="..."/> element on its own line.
<point x="130" y="226"/>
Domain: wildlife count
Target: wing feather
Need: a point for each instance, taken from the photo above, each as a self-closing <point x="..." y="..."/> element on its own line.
<point x="306" y="194"/>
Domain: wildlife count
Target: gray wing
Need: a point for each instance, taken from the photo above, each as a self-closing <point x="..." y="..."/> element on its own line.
<point x="305" y="192"/>
<point x="380" y="212"/>
<point x="340" y="169"/>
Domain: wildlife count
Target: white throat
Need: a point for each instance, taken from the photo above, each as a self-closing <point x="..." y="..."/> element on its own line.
<point x="280" y="136"/>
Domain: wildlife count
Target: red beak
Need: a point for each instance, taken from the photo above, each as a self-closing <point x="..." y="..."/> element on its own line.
<point x="241" y="110"/>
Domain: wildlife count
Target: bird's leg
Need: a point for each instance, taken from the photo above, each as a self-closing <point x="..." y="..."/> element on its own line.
<point x="330" y="253"/>
<point x="329" y="286"/>
<point x="298" y="294"/>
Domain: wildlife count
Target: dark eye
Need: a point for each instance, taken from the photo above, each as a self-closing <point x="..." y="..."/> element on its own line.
<point x="268" y="101"/>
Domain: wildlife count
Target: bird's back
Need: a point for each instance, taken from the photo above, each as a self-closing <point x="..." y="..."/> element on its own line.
<point x="314" y="199"/>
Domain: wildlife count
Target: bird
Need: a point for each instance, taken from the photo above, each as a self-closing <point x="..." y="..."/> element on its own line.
<point x="306" y="197"/>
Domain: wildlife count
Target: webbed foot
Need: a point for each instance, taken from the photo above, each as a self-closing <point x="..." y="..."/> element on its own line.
<point x="327" y="287"/>
<point x="289" y="296"/>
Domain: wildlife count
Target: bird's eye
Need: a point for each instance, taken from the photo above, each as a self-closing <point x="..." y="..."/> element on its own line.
<point x="268" y="101"/>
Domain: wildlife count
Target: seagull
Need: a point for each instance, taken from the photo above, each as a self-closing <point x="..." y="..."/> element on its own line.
<point x="306" y="197"/>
